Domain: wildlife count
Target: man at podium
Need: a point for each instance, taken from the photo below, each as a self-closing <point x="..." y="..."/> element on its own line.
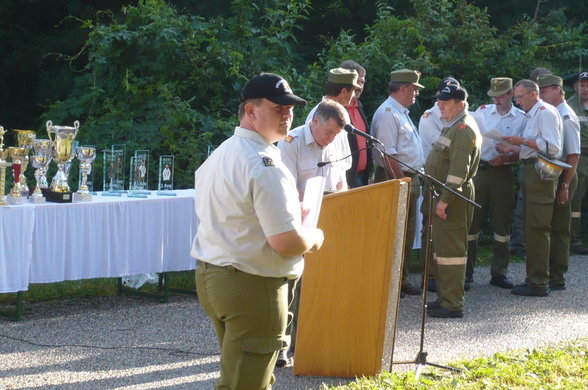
<point x="250" y="239"/>
<point x="309" y="151"/>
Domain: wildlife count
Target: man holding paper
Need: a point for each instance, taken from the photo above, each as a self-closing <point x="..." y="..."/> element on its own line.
<point x="494" y="180"/>
<point x="310" y="154"/>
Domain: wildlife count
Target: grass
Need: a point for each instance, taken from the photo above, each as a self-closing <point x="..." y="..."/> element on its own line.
<point x="561" y="366"/>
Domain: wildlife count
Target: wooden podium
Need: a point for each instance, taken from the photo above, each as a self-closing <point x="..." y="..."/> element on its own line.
<point x="350" y="288"/>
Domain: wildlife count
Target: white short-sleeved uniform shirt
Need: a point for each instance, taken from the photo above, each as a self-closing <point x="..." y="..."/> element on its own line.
<point x="341" y="143"/>
<point x="545" y="127"/>
<point x="301" y="154"/>
<point x="488" y="118"/>
<point x="430" y="126"/>
<point x="392" y="125"/>
<point x="244" y="194"/>
<point x="571" y="130"/>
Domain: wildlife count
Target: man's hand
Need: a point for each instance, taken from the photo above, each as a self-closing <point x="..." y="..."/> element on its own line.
<point x="505" y="148"/>
<point x="562" y="195"/>
<point x="440" y="209"/>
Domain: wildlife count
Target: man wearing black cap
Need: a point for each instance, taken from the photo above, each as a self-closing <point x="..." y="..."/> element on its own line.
<point x="579" y="103"/>
<point x="551" y="91"/>
<point x="430" y="126"/>
<point x="495" y="178"/>
<point x="453" y="161"/>
<point x="542" y="134"/>
<point x="250" y="237"/>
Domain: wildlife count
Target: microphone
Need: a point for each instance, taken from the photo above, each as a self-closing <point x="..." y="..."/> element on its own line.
<point x="323" y="163"/>
<point x="353" y="130"/>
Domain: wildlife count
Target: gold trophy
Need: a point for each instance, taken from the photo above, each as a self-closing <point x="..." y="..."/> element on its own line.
<point x="17" y="155"/>
<point x="62" y="139"/>
<point x="24" y="139"/>
<point x="86" y="154"/>
<point x="40" y="161"/>
<point x="3" y="166"/>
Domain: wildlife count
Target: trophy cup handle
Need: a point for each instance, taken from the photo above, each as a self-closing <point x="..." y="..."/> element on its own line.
<point x="49" y="124"/>
<point x="77" y="124"/>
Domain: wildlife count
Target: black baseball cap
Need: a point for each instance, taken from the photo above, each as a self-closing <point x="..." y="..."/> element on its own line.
<point x="452" y="91"/>
<point x="271" y="87"/>
<point x="446" y="81"/>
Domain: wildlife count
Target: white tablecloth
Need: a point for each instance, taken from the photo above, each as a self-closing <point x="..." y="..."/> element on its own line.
<point x="109" y="237"/>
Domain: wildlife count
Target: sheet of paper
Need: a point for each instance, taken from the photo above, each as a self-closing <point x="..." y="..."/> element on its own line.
<point x="312" y="201"/>
<point x="494" y="134"/>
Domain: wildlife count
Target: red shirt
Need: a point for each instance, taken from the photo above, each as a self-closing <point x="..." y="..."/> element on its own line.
<point x="358" y="122"/>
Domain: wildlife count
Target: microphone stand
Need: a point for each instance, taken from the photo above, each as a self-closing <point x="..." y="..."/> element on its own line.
<point x="421" y="358"/>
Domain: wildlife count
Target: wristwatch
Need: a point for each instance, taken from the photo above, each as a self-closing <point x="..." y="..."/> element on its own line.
<point x="564" y="185"/>
<point x="525" y="142"/>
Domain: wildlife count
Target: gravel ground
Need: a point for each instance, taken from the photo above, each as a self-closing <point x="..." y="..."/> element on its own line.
<point x="135" y="343"/>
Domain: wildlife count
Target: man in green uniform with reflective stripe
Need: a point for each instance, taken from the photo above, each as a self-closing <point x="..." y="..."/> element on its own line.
<point x="579" y="103"/>
<point x="454" y="161"/>
<point x="250" y="237"/>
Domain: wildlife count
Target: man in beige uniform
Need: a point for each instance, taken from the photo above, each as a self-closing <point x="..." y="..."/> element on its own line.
<point x="250" y="237"/>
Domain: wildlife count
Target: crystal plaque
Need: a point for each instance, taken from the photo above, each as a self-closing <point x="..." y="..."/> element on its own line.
<point x="165" y="184"/>
<point x="139" y="174"/>
<point x="112" y="171"/>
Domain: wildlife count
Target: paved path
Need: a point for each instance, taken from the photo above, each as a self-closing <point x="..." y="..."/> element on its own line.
<point x="134" y="343"/>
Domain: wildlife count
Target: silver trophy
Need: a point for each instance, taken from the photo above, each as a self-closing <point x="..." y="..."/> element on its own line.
<point x="86" y="154"/>
<point x="40" y="160"/>
<point x="62" y="138"/>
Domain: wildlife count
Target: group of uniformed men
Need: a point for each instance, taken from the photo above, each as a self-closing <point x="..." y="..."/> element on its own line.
<point x="250" y="235"/>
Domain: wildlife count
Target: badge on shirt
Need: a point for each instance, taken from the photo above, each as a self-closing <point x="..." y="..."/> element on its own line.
<point x="268" y="162"/>
<point x="461" y="126"/>
<point x="288" y="139"/>
<point x="566" y="117"/>
<point x="483" y="106"/>
<point x="388" y="109"/>
<point x="542" y="108"/>
<point x="425" y="114"/>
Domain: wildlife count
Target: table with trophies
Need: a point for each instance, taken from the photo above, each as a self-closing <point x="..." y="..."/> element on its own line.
<point x="57" y="235"/>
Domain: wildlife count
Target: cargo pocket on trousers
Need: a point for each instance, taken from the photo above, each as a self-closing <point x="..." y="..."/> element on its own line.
<point x="254" y="370"/>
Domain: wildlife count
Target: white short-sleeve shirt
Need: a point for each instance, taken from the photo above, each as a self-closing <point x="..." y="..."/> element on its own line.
<point x="488" y="118"/>
<point x="392" y="125"/>
<point x="302" y="155"/>
<point x="571" y="130"/>
<point x="545" y="127"/>
<point x="244" y="194"/>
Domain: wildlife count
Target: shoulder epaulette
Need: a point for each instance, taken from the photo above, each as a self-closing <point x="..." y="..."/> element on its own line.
<point x="288" y="139"/>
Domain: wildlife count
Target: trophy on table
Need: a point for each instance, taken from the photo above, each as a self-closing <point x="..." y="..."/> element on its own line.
<point x="24" y="139"/>
<point x="86" y="154"/>
<point x="17" y="155"/>
<point x="139" y="174"/>
<point x="165" y="184"/>
<point x="3" y="166"/>
<point x="40" y="160"/>
<point x="62" y="138"/>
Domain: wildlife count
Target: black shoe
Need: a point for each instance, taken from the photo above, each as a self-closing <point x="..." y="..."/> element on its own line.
<point x="528" y="291"/>
<point x="432" y="285"/>
<point x="501" y="282"/>
<point x="283" y="359"/>
<point x="579" y="249"/>
<point x="469" y="278"/>
<point x="433" y="305"/>
<point x="557" y="286"/>
<point x="441" y="312"/>
<point x="409" y="289"/>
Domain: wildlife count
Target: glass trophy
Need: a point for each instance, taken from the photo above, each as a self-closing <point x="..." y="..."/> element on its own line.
<point x="111" y="173"/>
<point x="165" y="184"/>
<point x="139" y="174"/>
<point x="118" y="183"/>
